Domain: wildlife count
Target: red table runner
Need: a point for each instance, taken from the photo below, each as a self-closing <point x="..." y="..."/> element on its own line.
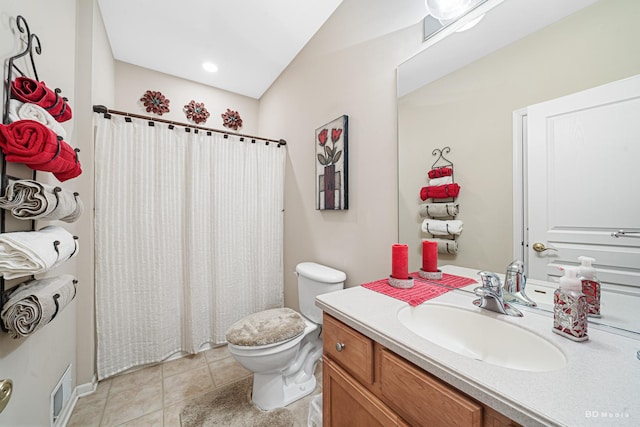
<point x="422" y="290"/>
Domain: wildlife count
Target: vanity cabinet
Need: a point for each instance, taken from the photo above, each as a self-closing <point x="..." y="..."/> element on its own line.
<point x="365" y="384"/>
<point x="347" y="403"/>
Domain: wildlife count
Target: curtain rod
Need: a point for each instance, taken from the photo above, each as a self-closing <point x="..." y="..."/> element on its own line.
<point x="105" y="110"/>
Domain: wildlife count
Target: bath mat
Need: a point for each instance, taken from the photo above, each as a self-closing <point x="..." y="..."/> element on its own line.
<point x="230" y="406"/>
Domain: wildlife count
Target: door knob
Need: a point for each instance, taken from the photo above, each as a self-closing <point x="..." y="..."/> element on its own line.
<point x="540" y="247"/>
<point x="339" y="346"/>
<point x="6" y="386"/>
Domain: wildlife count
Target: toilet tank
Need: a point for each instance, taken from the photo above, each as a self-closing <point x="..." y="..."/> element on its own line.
<point x="313" y="280"/>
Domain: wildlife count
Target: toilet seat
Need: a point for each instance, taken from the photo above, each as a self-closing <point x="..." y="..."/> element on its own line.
<point x="266" y="346"/>
<point x="266" y="328"/>
<point x="265" y="350"/>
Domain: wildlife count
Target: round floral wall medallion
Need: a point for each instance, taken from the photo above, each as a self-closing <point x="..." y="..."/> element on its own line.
<point x="231" y="120"/>
<point x="195" y="111"/>
<point x="155" y="102"/>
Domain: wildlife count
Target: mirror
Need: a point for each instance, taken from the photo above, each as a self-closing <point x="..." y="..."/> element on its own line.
<point x="463" y="92"/>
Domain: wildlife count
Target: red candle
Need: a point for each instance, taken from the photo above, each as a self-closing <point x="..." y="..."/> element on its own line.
<point x="429" y="256"/>
<point x="400" y="261"/>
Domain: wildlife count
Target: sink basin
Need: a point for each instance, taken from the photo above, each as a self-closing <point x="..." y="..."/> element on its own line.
<point x="483" y="337"/>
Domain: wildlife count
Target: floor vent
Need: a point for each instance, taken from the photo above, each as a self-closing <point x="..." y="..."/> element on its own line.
<point x="60" y="395"/>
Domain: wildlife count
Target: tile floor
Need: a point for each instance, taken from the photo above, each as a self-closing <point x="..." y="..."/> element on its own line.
<point x="154" y="396"/>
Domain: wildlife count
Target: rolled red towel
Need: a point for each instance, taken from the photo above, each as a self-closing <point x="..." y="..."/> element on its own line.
<point x="26" y="141"/>
<point x="440" y="172"/>
<point x="38" y="147"/>
<point x="64" y="163"/>
<point x="439" y="191"/>
<point x="28" y="90"/>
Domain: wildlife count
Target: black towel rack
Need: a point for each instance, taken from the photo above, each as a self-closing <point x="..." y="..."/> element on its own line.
<point x="443" y="162"/>
<point x="32" y="45"/>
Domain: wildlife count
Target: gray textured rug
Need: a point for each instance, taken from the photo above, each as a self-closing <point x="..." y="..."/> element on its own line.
<point x="231" y="406"/>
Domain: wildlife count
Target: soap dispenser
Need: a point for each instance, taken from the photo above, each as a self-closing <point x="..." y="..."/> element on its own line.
<point x="590" y="284"/>
<point x="570" y="307"/>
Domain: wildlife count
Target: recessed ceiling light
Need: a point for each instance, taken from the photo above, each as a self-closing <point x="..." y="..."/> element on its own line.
<point x="210" y="67"/>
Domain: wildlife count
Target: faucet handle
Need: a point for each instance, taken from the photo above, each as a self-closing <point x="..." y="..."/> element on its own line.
<point x="515" y="279"/>
<point x="491" y="281"/>
<point x="491" y="297"/>
<point x="514" y="285"/>
<point x="516" y="266"/>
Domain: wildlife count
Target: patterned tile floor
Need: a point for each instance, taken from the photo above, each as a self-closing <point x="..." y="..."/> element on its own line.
<point x="154" y="396"/>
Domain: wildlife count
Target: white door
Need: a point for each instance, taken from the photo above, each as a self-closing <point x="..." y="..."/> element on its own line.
<point x="583" y="184"/>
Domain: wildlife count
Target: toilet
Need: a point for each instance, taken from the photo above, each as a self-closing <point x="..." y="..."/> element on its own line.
<point x="281" y="346"/>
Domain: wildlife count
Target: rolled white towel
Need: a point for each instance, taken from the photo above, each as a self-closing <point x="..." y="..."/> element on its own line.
<point x="441" y="181"/>
<point x="29" y="199"/>
<point x="437" y="227"/>
<point x="438" y="210"/>
<point x="33" y="252"/>
<point x="446" y="246"/>
<point x="19" y="110"/>
<point x="34" y="303"/>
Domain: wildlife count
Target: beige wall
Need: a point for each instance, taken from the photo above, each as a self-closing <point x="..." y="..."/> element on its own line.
<point x="347" y="68"/>
<point x="132" y="82"/>
<point x="470" y="110"/>
<point x="94" y="85"/>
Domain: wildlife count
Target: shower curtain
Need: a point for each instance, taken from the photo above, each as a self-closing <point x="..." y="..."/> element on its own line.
<point x="188" y="238"/>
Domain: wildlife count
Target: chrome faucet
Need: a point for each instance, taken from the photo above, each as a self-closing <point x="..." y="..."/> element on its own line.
<point x="490" y="294"/>
<point x="514" y="284"/>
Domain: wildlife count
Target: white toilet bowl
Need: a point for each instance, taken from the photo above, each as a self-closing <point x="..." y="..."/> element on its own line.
<point x="279" y="375"/>
<point x="282" y="347"/>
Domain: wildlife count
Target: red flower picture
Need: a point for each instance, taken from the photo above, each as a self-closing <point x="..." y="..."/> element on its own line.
<point x="331" y="165"/>
<point x="331" y="154"/>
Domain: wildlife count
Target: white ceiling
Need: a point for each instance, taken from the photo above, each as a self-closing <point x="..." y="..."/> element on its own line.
<point x="251" y="41"/>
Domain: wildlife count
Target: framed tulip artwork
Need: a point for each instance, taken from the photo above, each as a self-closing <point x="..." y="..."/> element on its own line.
<point x="331" y="142"/>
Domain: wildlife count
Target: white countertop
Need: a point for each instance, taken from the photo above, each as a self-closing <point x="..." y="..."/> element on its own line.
<point x="599" y="386"/>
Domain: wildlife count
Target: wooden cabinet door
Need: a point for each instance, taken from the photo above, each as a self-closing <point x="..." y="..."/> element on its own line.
<point x="347" y="403"/>
<point x="422" y="399"/>
<point x="493" y="418"/>
<point x="349" y="348"/>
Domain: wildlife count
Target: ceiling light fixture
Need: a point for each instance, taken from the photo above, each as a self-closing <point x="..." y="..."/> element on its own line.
<point x="448" y="16"/>
<point x="472" y="23"/>
<point x="447" y="10"/>
<point x="210" y="67"/>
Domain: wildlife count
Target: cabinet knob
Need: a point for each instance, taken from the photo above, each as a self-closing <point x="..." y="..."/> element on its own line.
<point x="339" y="346"/>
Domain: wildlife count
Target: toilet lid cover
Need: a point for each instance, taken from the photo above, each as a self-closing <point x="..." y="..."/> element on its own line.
<point x="266" y="327"/>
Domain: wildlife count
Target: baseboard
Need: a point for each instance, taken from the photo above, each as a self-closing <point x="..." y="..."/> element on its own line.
<point x="87" y="388"/>
<point x="80" y="390"/>
<point x="67" y="410"/>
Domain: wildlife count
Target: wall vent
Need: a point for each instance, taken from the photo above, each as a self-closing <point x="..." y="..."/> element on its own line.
<point x="60" y="395"/>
